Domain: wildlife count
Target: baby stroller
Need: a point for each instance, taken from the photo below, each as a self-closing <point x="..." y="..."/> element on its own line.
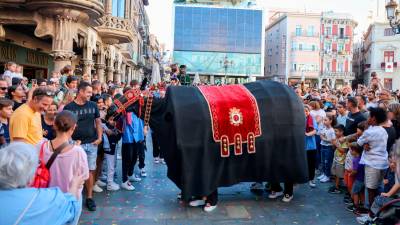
<point x="389" y="214"/>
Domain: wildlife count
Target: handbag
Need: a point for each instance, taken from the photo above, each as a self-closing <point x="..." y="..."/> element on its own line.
<point x="42" y="174"/>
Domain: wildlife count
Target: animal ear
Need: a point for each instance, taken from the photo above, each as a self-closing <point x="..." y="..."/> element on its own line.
<point x="168" y="117"/>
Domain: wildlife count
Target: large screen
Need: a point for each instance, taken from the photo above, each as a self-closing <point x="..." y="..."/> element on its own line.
<point x="213" y="62"/>
<point x="212" y="29"/>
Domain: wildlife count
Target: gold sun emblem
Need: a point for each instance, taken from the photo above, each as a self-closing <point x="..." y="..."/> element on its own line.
<point x="235" y="117"/>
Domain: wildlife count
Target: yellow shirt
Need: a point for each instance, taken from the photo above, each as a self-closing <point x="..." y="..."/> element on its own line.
<point x="26" y="124"/>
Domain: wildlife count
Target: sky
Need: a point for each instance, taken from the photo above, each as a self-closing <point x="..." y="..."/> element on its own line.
<point x="160" y="13"/>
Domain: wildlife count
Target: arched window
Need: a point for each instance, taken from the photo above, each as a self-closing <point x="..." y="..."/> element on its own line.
<point x="118" y="8"/>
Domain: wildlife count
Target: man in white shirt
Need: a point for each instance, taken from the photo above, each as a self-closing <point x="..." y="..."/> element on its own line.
<point x="375" y="155"/>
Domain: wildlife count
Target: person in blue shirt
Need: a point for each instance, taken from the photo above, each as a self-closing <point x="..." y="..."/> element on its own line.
<point x="23" y="205"/>
<point x="310" y="144"/>
<point x="132" y="145"/>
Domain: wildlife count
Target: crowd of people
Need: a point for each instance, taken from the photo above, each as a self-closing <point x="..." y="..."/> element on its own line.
<point x="350" y="140"/>
<point x="66" y="119"/>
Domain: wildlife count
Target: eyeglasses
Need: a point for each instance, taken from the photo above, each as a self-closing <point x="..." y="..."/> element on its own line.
<point x="45" y="93"/>
<point x="3" y="88"/>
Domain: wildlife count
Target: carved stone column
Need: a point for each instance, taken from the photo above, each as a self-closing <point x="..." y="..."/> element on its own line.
<point x="110" y="73"/>
<point x="63" y="41"/>
<point x="87" y="67"/>
<point x="117" y="76"/>
<point x="100" y="72"/>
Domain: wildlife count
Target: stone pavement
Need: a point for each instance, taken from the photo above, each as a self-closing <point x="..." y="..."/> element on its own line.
<point x="154" y="202"/>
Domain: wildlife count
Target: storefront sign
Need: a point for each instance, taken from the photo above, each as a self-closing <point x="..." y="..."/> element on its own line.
<point x="37" y="58"/>
<point x="8" y="53"/>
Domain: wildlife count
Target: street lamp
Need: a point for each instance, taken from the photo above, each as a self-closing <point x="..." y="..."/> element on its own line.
<point x="392" y="13"/>
<point x="225" y="63"/>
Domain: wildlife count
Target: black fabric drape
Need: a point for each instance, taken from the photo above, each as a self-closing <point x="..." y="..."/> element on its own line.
<point x="183" y="124"/>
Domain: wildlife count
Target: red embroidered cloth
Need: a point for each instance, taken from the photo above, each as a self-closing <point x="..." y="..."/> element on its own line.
<point x="234" y="111"/>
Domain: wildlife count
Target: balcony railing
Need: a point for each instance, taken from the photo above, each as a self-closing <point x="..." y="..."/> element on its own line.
<point x="116" y="30"/>
<point x="338" y="75"/>
<point x="305" y="34"/>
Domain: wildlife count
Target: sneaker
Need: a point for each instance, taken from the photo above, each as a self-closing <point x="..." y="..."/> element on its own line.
<point x="100" y="183"/>
<point x="97" y="189"/>
<point x="135" y="178"/>
<point x="312" y="184"/>
<point x="335" y="191"/>
<point x="321" y="176"/>
<point x="90" y="204"/>
<point x="268" y="186"/>
<point x="162" y="161"/>
<point x="256" y="186"/>
<point x="274" y="195"/>
<point x="196" y="203"/>
<point x="127" y="186"/>
<point x="102" y="177"/>
<point x="348" y="201"/>
<point x="363" y="219"/>
<point x="143" y="173"/>
<point x="287" y="198"/>
<point x="325" y="179"/>
<point x="112" y="186"/>
<point x="350" y="208"/>
<point x="156" y="160"/>
<point x="209" y="208"/>
<point x="119" y="157"/>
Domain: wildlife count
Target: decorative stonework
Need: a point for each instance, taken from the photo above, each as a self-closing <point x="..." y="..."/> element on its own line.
<point x="115" y="30"/>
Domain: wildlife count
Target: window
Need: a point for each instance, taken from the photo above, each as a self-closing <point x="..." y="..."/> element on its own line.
<point x="294" y="46"/>
<point x="270" y="68"/>
<point x="389" y="32"/>
<point x="328" y="66"/>
<point x="310" y="31"/>
<point x="298" y="30"/>
<point x="313" y="48"/>
<point x="328" y="30"/>
<point x="327" y="46"/>
<point x="276" y="67"/>
<point x="340" y="47"/>
<point x="340" y="67"/>
<point x="118" y="8"/>
<point x="295" y="67"/>
<point x="341" y="33"/>
<point x="389" y="56"/>
<point x="301" y="47"/>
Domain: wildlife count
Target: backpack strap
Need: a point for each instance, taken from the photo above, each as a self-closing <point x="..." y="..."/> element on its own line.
<point x="56" y="152"/>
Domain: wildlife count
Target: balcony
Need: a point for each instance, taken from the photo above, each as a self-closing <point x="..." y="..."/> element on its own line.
<point x="129" y="53"/>
<point x="338" y="75"/>
<point x="305" y="34"/>
<point x="383" y="65"/>
<point x="94" y="9"/>
<point x="115" y="30"/>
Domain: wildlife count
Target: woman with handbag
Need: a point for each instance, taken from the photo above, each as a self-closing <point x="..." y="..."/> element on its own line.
<point x="22" y="205"/>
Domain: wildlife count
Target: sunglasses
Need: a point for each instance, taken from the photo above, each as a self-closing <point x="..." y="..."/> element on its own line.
<point x="47" y="93"/>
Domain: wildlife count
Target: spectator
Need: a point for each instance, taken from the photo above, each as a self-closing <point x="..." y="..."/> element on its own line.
<point x="9" y="74"/>
<point x="65" y="73"/>
<point x="88" y="133"/>
<point x="341" y="113"/>
<point x="327" y="134"/>
<point x="3" y="88"/>
<point x="22" y="205"/>
<point x="394" y="116"/>
<point x="374" y="156"/>
<point x="6" y="111"/>
<point x="354" y="116"/>
<point x="371" y="99"/>
<point x="310" y="144"/>
<point x="338" y="159"/>
<point x="358" y="174"/>
<point x="362" y="100"/>
<point x="48" y="122"/>
<point x="25" y="123"/>
<point x="71" y="84"/>
<point x="96" y="85"/>
<point x="17" y="94"/>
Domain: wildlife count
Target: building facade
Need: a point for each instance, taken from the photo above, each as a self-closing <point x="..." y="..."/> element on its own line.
<point x="223" y="44"/>
<point x="381" y="49"/>
<point x="337" y="34"/>
<point x="314" y="48"/>
<point x="97" y="37"/>
<point x="292" y="47"/>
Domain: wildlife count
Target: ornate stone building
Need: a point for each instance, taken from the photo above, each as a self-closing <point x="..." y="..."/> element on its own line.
<point x="102" y="37"/>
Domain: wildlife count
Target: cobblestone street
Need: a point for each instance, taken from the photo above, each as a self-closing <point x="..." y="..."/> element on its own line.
<point x="154" y="202"/>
